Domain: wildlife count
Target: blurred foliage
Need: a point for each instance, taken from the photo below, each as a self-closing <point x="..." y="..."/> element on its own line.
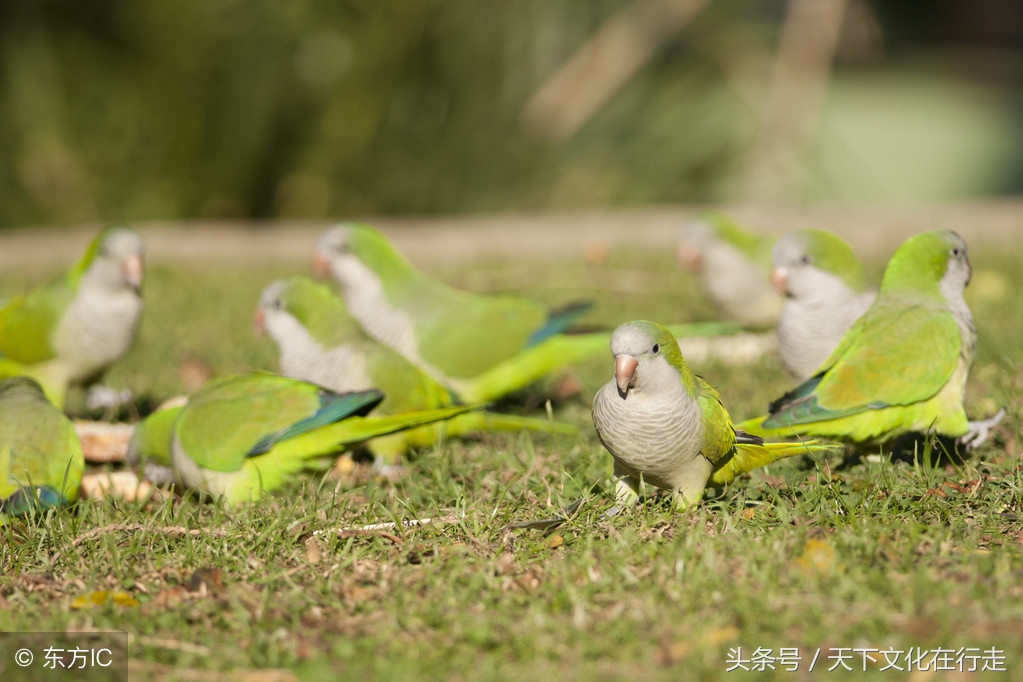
<point x="147" y="109"/>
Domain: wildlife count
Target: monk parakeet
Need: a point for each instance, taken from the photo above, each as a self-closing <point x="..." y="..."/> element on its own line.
<point x="450" y="333"/>
<point x="733" y="265"/>
<point x="41" y="460"/>
<point x="243" y="435"/>
<point x="150" y="446"/>
<point x="666" y="426"/>
<point x="70" y="330"/>
<point x="482" y="347"/>
<point x="825" y="290"/>
<point x="320" y="342"/>
<point x="902" y="367"/>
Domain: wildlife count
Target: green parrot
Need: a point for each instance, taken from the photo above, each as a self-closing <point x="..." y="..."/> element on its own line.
<point x="150" y="449"/>
<point x="320" y="342"/>
<point x="448" y="332"/>
<point x="667" y="427"/>
<point x="481" y="347"/>
<point x="733" y="267"/>
<point x="902" y="366"/>
<point x="41" y="459"/>
<point x="825" y="290"/>
<point x="70" y="330"/>
<point x="243" y="435"/>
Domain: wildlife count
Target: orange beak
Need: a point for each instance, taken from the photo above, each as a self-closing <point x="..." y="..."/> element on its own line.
<point x="131" y="270"/>
<point x="259" y="322"/>
<point x="689" y="256"/>
<point x="625" y="371"/>
<point x="321" y="264"/>
<point x="780" y="280"/>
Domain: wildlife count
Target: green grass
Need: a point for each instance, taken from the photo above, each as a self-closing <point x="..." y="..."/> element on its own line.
<point x="825" y="554"/>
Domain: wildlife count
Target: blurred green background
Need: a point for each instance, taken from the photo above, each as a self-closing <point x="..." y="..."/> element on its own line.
<point x="134" y="110"/>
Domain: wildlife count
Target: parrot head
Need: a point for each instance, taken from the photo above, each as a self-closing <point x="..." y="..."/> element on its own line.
<point x="355" y="253"/>
<point x="935" y="262"/>
<point x="647" y="358"/>
<point x="114" y="261"/>
<point x="809" y="261"/>
<point x="287" y="305"/>
<point x="271" y="301"/>
<point x="278" y="312"/>
<point x="693" y="239"/>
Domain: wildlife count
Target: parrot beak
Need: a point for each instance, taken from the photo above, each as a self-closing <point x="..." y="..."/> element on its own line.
<point x="688" y="255"/>
<point x="259" y="322"/>
<point x="780" y="280"/>
<point x="625" y="372"/>
<point x="131" y="270"/>
<point x="321" y="263"/>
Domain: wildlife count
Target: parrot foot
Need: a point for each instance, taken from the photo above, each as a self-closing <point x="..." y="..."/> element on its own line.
<point x="980" y="430"/>
<point x="390" y="472"/>
<point x="107" y="398"/>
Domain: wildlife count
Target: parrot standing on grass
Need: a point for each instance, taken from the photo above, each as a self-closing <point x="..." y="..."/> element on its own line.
<point x="41" y="459"/>
<point x="733" y="266"/>
<point x="902" y="367"/>
<point x="482" y="347"/>
<point x="72" y="329"/>
<point x="667" y="427"/>
<point x="825" y="290"/>
<point x="243" y="435"/>
<point x="320" y="342"/>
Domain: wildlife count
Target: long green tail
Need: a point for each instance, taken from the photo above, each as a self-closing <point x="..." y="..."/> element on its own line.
<point x="314" y="450"/>
<point x="557" y="351"/>
<point x="390" y="449"/>
<point x="750" y="457"/>
<point x="354" y="430"/>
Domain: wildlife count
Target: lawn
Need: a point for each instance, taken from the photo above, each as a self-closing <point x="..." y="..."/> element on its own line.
<point x="824" y="562"/>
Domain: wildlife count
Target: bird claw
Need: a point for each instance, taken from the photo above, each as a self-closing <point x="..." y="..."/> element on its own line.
<point x="980" y="430"/>
<point x="101" y="397"/>
<point x="392" y="473"/>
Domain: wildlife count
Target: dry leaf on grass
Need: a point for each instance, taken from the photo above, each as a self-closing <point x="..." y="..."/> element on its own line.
<point x="103" y="597"/>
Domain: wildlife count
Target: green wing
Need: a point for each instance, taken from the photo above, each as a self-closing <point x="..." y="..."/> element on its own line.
<point x="28" y="321"/>
<point x="41" y="461"/>
<point x="464" y="335"/>
<point x="878" y="364"/>
<point x="242" y="416"/>
<point x="718" y="433"/>
<point x="357" y="429"/>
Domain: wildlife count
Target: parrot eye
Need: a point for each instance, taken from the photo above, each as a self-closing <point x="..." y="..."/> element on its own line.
<point x="956" y="252"/>
<point x="805" y="259"/>
<point x="278" y="304"/>
<point x="656" y="349"/>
